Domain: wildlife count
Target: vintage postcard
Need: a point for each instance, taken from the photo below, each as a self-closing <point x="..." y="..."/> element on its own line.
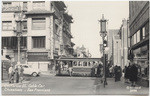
<point x="74" y="47"/>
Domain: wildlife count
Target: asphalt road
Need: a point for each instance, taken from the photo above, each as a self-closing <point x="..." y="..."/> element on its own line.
<point x="70" y="85"/>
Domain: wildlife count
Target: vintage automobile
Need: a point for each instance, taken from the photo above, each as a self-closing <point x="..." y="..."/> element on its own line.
<point x="29" y="70"/>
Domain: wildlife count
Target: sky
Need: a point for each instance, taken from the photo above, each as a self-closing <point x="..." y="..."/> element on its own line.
<point x="86" y="28"/>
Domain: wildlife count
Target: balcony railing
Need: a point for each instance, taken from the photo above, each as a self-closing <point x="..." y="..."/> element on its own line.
<point x="11" y="8"/>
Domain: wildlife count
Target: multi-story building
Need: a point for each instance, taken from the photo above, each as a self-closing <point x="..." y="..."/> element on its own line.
<point x="68" y="44"/>
<point x="45" y="32"/>
<point x="111" y="33"/>
<point x="116" y="47"/>
<point x="123" y="32"/>
<point x="139" y="37"/>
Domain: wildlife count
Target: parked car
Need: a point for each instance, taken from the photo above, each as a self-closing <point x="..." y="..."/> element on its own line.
<point x="28" y="70"/>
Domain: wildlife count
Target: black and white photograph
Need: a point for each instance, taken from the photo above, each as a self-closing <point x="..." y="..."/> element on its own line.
<point x="74" y="47"/>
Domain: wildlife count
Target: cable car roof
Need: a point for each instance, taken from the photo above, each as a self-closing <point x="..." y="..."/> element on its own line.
<point x="79" y="59"/>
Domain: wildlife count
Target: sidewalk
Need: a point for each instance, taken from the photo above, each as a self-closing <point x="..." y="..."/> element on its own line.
<point x="120" y="88"/>
<point x="26" y="79"/>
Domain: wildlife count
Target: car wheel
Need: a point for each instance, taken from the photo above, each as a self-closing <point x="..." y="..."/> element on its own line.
<point x="34" y="74"/>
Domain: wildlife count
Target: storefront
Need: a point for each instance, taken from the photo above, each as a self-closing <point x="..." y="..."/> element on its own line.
<point x="141" y="58"/>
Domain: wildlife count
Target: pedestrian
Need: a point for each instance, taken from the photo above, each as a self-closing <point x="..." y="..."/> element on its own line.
<point x="11" y="74"/>
<point x="111" y="71"/>
<point x="119" y="73"/>
<point x="127" y="73"/>
<point x="146" y="71"/>
<point x="95" y="74"/>
<point x="101" y="68"/>
<point x="70" y="71"/>
<point x="21" y="74"/>
<point x="133" y="74"/>
<point x="115" y="72"/>
<point x="98" y="71"/>
<point x="92" y="71"/>
<point x="107" y="71"/>
<point x="124" y="71"/>
<point x="17" y="74"/>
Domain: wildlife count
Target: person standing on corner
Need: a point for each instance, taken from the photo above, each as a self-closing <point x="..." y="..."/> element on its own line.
<point x="70" y="71"/>
<point x="119" y="73"/>
<point x="11" y="74"/>
<point x="21" y="74"/>
<point x="127" y="73"/>
<point x="133" y="74"/>
<point x="116" y="73"/>
<point x="17" y="74"/>
<point x="98" y="71"/>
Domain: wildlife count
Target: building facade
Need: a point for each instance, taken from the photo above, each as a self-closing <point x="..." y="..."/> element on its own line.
<point x="139" y="37"/>
<point x="111" y="33"/>
<point x="116" y="54"/>
<point x="45" y="31"/>
<point x="123" y="32"/>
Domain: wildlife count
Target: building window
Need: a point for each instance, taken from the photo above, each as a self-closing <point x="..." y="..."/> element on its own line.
<point x="38" y="23"/>
<point x="25" y="6"/>
<point x="6" y="4"/>
<point x="38" y="42"/>
<point x="12" y="43"/>
<point x="23" y="42"/>
<point x="38" y="4"/>
<point x="57" y="32"/>
<point x="147" y="29"/>
<point x="138" y="36"/>
<point x="143" y="32"/>
<point x="131" y="41"/>
<point x="6" y="42"/>
<point x="134" y="39"/>
<point x="24" y="25"/>
<point x="7" y="25"/>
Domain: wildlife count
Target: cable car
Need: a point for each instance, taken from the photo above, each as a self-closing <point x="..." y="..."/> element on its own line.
<point x="80" y="66"/>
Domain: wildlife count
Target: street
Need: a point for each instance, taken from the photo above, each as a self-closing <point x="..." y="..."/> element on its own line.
<point x="46" y="84"/>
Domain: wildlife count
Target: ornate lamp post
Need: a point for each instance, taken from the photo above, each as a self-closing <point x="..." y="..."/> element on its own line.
<point x="103" y="34"/>
<point x="19" y="30"/>
<point x="19" y="33"/>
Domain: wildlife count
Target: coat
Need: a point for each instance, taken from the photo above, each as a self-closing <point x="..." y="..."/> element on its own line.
<point x="98" y="70"/>
<point x="127" y="72"/>
<point x="133" y="73"/>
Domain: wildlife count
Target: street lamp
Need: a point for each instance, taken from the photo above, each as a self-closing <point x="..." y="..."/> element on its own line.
<point x="19" y="33"/>
<point x="103" y="34"/>
<point x="19" y="30"/>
